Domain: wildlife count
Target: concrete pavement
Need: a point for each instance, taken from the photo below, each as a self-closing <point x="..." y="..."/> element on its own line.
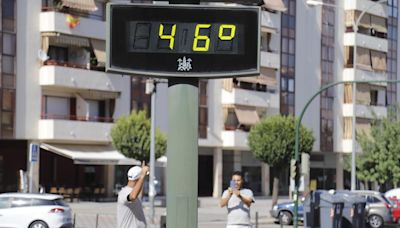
<point x="210" y="215"/>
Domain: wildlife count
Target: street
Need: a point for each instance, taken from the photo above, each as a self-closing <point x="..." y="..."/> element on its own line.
<point x="209" y="214"/>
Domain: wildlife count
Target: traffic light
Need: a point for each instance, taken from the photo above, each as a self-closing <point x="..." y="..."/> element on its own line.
<point x="295" y="172"/>
<point x="292" y="169"/>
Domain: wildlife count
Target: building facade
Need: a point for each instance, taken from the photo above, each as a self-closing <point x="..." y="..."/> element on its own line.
<point x="57" y="95"/>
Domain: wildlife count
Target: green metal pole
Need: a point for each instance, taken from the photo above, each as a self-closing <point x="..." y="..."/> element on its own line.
<point x="297" y="132"/>
<point x="182" y="153"/>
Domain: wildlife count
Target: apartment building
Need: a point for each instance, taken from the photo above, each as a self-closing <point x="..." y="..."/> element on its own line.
<point x="330" y="30"/>
<point x="305" y="47"/>
<point x="56" y="94"/>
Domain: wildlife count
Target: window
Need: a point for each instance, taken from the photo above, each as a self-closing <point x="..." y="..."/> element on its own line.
<point x="56" y="107"/>
<point x="58" y="54"/>
<point x="41" y="202"/>
<point x="8" y="100"/>
<point x="374" y="97"/>
<point x="9" y="44"/>
<point x="93" y="110"/>
<point x="8" y="15"/>
<point x="372" y="199"/>
<point x="288" y="40"/>
<point x="8" y="9"/>
<point x="203" y="108"/>
<point x="99" y="13"/>
<point x="4" y="202"/>
<point x="20" y="202"/>
<point x="7" y="64"/>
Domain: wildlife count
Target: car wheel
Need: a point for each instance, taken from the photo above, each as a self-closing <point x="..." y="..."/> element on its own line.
<point x="375" y="221"/>
<point x="285" y="218"/>
<point x="38" y="224"/>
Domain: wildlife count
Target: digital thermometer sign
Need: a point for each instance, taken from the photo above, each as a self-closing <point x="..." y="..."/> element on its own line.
<point x="183" y="40"/>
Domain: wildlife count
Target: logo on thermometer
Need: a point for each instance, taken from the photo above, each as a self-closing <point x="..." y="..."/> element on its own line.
<point x="184" y="64"/>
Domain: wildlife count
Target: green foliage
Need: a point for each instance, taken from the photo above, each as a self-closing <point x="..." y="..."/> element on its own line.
<point x="272" y="140"/>
<point x="131" y="136"/>
<point x="381" y="151"/>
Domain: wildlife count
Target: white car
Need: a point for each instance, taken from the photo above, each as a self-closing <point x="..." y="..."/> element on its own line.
<point x="29" y="210"/>
<point x="393" y="193"/>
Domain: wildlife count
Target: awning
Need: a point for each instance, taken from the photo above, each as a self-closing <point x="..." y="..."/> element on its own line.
<point x="246" y="115"/>
<point x="277" y="5"/>
<point x="90" y="154"/>
<point x="265" y="29"/>
<point x="55" y="38"/>
<point x="85" y="5"/>
<point x="99" y="48"/>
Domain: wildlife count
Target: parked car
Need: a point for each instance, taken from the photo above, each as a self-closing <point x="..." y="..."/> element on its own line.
<point x="29" y="210"/>
<point x="284" y="212"/>
<point x="378" y="208"/>
<point x="393" y="193"/>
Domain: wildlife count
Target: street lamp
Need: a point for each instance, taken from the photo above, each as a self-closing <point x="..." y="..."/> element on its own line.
<point x="151" y="89"/>
<point x="354" y="89"/>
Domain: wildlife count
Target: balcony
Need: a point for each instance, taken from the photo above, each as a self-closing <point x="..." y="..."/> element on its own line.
<point x="347" y="146"/>
<point x="364" y="111"/>
<point x="77" y="131"/>
<point x="270" y="20"/>
<point x="366" y="41"/>
<point x="80" y="79"/>
<point x="236" y="139"/>
<point x="360" y="5"/>
<point x="348" y="75"/>
<point x="270" y="60"/>
<point x="56" y="22"/>
<point x="250" y="98"/>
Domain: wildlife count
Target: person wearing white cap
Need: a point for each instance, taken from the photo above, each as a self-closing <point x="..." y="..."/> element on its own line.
<point x="129" y="207"/>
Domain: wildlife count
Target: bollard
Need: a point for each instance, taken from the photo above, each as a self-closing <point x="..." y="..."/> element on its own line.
<point x="97" y="220"/>
<point x="256" y="219"/>
<point x="280" y="221"/>
<point x="74" y="222"/>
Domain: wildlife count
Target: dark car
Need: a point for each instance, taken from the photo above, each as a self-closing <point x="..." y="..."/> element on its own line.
<point x="284" y="212"/>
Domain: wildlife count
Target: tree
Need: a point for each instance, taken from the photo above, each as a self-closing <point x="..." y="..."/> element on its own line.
<point x="381" y="146"/>
<point x="272" y="141"/>
<point x="131" y="136"/>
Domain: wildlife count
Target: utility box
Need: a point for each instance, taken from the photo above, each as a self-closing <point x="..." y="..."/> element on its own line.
<point x="311" y="209"/>
<point x="353" y="211"/>
<point x="331" y="209"/>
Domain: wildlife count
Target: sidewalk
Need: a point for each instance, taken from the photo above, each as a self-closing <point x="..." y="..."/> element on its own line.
<point x="103" y="214"/>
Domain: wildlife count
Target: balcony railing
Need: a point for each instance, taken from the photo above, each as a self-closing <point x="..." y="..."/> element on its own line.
<point x="52" y="62"/>
<point x="77" y="118"/>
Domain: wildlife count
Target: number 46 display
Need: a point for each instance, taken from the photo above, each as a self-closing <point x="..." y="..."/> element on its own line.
<point x="197" y="37"/>
<point x="184" y="37"/>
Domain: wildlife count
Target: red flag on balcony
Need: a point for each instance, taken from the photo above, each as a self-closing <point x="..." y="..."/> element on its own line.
<point x="72" y="21"/>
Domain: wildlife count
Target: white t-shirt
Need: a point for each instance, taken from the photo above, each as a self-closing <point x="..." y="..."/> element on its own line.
<point x="129" y="213"/>
<point x="238" y="212"/>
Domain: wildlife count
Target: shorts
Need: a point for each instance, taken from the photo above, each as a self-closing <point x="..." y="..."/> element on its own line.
<point x="238" y="226"/>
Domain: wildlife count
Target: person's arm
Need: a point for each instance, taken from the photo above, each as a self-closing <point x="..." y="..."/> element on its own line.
<point x="248" y="200"/>
<point x="139" y="184"/>
<point x="225" y="198"/>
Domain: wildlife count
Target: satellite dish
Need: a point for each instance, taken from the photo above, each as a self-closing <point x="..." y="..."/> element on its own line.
<point x="42" y="55"/>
